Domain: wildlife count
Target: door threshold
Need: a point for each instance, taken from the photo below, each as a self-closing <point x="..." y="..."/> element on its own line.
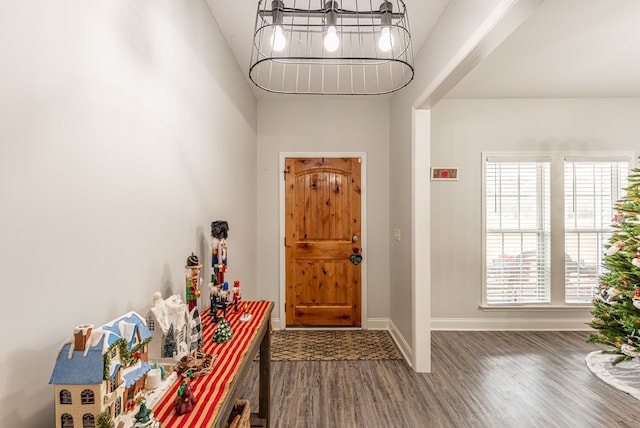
<point x="328" y="327"/>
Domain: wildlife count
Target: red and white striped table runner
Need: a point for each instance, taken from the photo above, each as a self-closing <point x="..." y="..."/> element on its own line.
<point x="212" y="389"/>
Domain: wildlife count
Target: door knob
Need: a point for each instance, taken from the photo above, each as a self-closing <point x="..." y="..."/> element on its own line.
<point x="356" y="257"/>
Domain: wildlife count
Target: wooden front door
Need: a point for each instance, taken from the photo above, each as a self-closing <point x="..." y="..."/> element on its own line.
<point x="322" y="241"/>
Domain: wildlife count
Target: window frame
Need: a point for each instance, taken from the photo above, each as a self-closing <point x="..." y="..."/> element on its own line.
<point x="87" y="397"/>
<point x="557" y="220"/>
<point x="66" y="420"/>
<point x="601" y="233"/>
<point x="65" y="397"/>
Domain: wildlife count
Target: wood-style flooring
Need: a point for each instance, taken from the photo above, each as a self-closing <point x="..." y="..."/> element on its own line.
<point x="478" y="379"/>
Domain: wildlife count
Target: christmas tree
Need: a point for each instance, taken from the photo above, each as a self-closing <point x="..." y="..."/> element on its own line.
<point x="104" y="421"/>
<point x="616" y="311"/>
<point x="222" y="333"/>
<point x="170" y="345"/>
<point x="144" y="417"/>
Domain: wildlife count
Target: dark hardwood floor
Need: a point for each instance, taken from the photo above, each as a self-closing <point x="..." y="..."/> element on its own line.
<point x="478" y="379"/>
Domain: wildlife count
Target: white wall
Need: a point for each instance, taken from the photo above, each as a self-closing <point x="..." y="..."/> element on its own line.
<point x="324" y="125"/>
<point x="125" y="129"/>
<point x="461" y="130"/>
<point x="465" y="33"/>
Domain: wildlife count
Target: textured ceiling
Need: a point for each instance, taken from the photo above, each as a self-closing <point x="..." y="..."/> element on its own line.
<point x="566" y="49"/>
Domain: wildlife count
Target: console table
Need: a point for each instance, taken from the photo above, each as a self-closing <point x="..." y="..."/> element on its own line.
<point x="217" y="391"/>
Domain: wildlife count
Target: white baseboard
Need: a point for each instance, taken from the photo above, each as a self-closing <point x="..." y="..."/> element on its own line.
<point x="402" y="344"/>
<point x="377" y="324"/>
<point x="506" y="324"/>
<point x="275" y="324"/>
<point x="472" y="324"/>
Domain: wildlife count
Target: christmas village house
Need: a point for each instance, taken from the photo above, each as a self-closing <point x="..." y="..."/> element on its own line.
<point x="176" y="331"/>
<point x="99" y="371"/>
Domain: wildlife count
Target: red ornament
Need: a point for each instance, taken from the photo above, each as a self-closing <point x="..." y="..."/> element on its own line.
<point x="445" y="173"/>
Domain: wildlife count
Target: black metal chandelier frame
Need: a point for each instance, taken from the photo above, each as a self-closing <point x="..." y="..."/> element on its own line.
<point x="330" y="50"/>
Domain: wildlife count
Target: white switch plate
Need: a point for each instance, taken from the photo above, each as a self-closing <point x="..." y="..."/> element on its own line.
<point x="396" y="234"/>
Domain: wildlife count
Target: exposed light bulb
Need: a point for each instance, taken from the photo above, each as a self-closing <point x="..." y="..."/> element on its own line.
<point x="331" y="39"/>
<point x="385" y="43"/>
<point x="278" y="41"/>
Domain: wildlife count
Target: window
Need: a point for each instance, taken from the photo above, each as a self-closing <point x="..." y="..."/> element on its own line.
<point x="88" y="421"/>
<point x="65" y="397"/>
<point x="118" y="407"/>
<point x="130" y="393"/>
<point x="87" y="396"/>
<point x="151" y="322"/>
<point x="525" y="199"/>
<point x="591" y="189"/>
<point x="66" y="420"/>
<point x="517" y="213"/>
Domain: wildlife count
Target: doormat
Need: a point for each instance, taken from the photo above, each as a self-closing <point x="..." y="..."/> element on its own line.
<point x="333" y="345"/>
<point x="624" y="376"/>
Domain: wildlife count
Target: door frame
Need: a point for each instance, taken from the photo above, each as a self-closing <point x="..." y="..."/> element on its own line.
<point x="364" y="324"/>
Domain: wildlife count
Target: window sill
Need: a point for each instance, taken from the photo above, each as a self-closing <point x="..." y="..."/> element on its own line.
<point x="542" y="308"/>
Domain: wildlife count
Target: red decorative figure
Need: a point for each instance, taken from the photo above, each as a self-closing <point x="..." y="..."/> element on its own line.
<point x="237" y="296"/>
<point x="185" y="400"/>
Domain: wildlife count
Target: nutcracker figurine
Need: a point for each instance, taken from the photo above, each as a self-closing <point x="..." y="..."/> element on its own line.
<point x="219" y="235"/>
<point x="218" y="243"/>
<point x="219" y="296"/>
<point x="225" y="292"/>
<point x="237" y="296"/>
<point x="216" y="301"/>
<point x="192" y="274"/>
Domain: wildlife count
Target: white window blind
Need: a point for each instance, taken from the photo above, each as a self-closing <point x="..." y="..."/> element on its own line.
<point x="591" y="191"/>
<point x="517" y="231"/>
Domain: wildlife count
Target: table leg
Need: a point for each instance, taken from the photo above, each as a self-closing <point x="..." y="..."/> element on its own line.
<point x="265" y="377"/>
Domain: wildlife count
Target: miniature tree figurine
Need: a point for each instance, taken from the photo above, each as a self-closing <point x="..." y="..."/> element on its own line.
<point x="170" y="347"/>
<point x="144" y="417"/>
<point x="104" y="421"/>
<point x="222" y="332"/>
<point x="192" y="273"/>
<point x="616" y="306"/>
<point x="185" y="400"/>
<point x="155" y="366"/>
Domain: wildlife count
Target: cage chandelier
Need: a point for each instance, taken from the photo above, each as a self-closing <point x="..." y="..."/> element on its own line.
<point x="317" y="47"/>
